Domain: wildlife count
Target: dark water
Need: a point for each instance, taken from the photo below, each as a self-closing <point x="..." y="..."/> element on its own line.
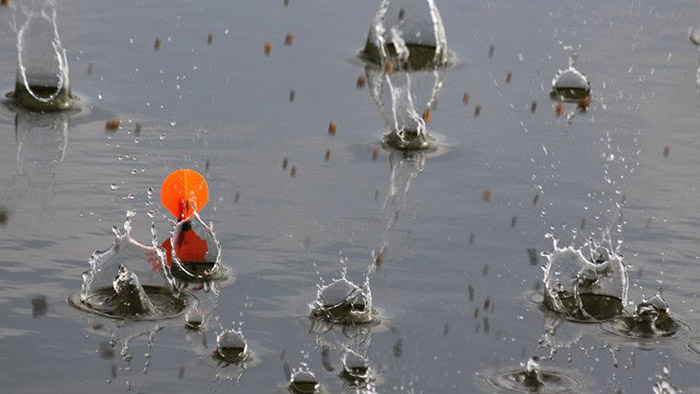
<point x="224" y="109"/>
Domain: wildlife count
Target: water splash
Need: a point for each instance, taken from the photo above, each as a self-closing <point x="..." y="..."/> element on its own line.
<point x="664" y="385"/>
<point x="303" y="381"/>
<point x="194" y="252"/>
<point x="402" y="98"/>
<point x="570" y="85"/>
<point x="409" y="34"/>
<point x="344" y="302"/>
<point x="231" y="346"/>
<point x="651" y="320"/>
<point x="583" y="288"/>
<point x="43" y="82"/>
<point x="194" y="319"/>
<point x="129" y="281"/>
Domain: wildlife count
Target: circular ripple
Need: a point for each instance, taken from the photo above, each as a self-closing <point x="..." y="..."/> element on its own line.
<point x="553" y="381"/>
<point x="693" y="346"/>
<point x="167" y="306"/>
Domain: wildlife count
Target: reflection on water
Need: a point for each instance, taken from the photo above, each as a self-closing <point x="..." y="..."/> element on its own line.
<point x="42" y="142"/>
<point x="350" y="344"/>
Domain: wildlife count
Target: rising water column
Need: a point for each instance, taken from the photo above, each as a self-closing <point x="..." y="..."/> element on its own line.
<point x="43" y="82"/>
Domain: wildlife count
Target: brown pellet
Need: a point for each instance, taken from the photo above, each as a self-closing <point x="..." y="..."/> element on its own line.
<point x="292" y="95"/>
<point x="379" y="260"/>
<point x="667" y="151"/>
<point x="157" y="44"/>
<point x="584" y="104"/>
<point x="375" y="153"/>
<point x="389" y="67"/>
<point x="137" y="129"/>
<point x="486" y="196"/>
<point x="533" y="106"/>
<point x="427" y="116"/>
<point x="361" y="82"/>
<point x="559" y="110"/>
<point x="332" y="127"/>
<point x="289" y="39"/>
<point x="90" y="68"/>
<point x="509" y="77"/>
<point x="210" y="39"/>
<point x="285" y="161"/>
<point x="293" y="172"/>
<point x="477" y="111"/>
<point x="268" y="48"/>
<point x="5" y="3"/>
<point x="328" y="155"/>
<point x="465" y="98"/>
<point x="492" y="49"/>
<point x="286" y="3"/>
<point x="113" y="124"/>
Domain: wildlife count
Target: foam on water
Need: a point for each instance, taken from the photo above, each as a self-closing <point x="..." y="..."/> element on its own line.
<point x="582" y="288"/>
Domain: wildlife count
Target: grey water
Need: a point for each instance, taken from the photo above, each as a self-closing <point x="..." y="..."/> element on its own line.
<point x="457" y="286"/>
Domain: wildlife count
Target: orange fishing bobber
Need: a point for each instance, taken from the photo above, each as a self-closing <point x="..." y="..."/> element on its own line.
<point x="183" y="191"/>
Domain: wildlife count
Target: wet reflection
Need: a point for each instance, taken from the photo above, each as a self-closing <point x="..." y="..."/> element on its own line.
<point x="347" y="348"/>
<point x="42" y="142"/>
